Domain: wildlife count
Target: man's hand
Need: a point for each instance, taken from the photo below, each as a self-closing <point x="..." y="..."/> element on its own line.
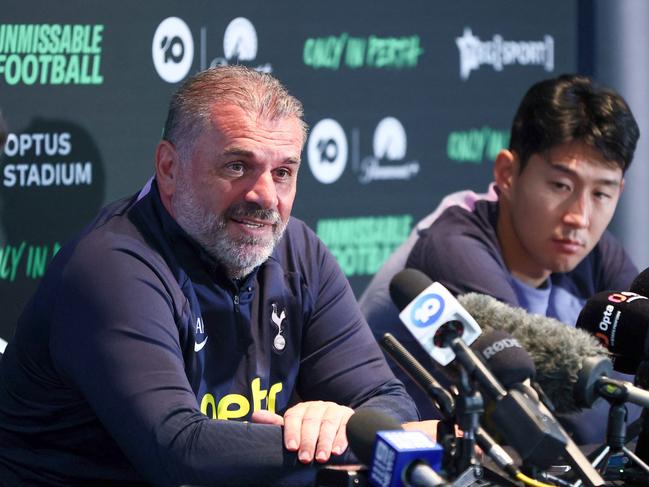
<point x="314" y="429"/>
<point x="429" y="427"/>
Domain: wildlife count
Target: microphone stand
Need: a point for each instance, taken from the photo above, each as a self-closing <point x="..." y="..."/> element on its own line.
<point x="593" y="382"/>
<point x="616" y="445"/>
<point x="475" y="475"/>
<point x="469" y="406"/>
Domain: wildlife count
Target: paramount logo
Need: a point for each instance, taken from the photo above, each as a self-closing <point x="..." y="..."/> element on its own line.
<point x="499" y="53"/>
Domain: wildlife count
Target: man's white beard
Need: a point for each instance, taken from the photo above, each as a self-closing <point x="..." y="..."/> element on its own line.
<point x="239" y="255"/>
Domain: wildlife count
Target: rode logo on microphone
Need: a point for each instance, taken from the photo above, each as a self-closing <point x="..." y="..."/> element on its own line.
<point x="427" y="310"/>
<point x="499" y="346"/>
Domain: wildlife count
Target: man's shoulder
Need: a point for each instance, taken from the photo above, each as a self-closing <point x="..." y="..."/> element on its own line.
<point x="456" y="222"/>
<point x="607" y="266"/>
<point x="111" y="237"/>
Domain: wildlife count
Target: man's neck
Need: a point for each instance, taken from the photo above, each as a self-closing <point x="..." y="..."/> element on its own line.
<point x="518" y="261"/>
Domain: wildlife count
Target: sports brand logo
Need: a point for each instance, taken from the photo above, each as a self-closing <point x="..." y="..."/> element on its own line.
<point x="200" y="330"/>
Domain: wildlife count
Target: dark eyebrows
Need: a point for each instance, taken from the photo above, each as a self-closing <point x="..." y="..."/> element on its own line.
<point x="569" y="172"/>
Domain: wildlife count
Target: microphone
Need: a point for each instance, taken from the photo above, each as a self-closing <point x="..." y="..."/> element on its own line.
<point x="620" y="321"/>
<point x="444" y="400"/>
<point x="433" y="307"/>
<point x="505" y="357"/>
<point x="396" y="457"/>
<point x="528" y="427"/>
<point x="541" y="437"/>
<point x="640" y="284"/>
<point x="557" y="350"/>
<point x="593" y="382"/>
<point x="642" y="445"/>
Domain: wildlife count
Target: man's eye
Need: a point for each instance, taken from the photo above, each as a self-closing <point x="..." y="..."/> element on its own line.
<point x="600" y="195"/>
<point x="235" y="166"/>
<point x="283" y="173"/>
<point x="560" y="186"/>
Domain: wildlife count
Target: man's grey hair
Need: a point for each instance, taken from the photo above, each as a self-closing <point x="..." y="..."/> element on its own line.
<point x="258" y="94"/>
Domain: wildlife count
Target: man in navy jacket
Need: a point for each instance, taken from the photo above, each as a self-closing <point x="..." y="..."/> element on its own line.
<point x="196" y="302"/>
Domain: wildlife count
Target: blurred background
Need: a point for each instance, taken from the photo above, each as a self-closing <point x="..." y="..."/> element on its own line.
<point x="406" y="102"/>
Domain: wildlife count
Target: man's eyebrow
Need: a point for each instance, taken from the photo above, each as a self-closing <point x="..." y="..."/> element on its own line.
<point x="570" y="172"/>
<point x="245" y="153"/>
<point x="236" y="151"/>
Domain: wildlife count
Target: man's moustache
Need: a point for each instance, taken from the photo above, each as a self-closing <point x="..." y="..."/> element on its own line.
<point x="254" y="211"/>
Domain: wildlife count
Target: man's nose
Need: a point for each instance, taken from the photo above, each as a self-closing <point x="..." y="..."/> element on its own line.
<point x="263" y="191"/>
<point x="579" y="211"/>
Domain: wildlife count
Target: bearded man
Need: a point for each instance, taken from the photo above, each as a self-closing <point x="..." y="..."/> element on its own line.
<point x="195" y="333"/>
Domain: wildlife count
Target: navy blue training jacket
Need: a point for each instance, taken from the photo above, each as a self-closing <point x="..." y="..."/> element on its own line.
<point x="137" y="348"/>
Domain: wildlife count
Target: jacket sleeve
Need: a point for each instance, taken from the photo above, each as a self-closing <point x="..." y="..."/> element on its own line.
<point x="341" y="360"/>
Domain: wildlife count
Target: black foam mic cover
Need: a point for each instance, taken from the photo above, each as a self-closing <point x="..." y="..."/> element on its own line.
<point x="642" y="445"/>
<point x="406" y="285"/>
<point x="505" y="357"/>
<point x="362" y="428"/>
<point x="620" y="321"/>
<point x="640" y="284"/>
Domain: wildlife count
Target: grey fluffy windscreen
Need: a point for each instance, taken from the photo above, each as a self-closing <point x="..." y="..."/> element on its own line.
<point x="558" y="350"/>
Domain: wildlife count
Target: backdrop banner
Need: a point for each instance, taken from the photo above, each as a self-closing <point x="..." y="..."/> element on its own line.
<point x="404" y="106"/>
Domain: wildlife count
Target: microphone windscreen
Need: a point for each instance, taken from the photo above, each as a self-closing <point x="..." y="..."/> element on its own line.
<point x="620" y="321"/>
<point x="406" y="285"/>
<point x="640" y="284"/>
<point x="557" y="350"/>
<point x="362" y="428"/>
<point x="505" y="357"/>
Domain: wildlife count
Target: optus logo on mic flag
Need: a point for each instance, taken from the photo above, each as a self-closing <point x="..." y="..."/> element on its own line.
<point x="430" y="310"/>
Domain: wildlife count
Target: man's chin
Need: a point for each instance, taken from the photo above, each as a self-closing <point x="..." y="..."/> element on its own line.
<point x="245" y="260"/>
<point x="565" y="265"/>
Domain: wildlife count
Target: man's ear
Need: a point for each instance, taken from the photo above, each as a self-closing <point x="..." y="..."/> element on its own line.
<point x="506" y="168"/>
<point x="166" y="169"/>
